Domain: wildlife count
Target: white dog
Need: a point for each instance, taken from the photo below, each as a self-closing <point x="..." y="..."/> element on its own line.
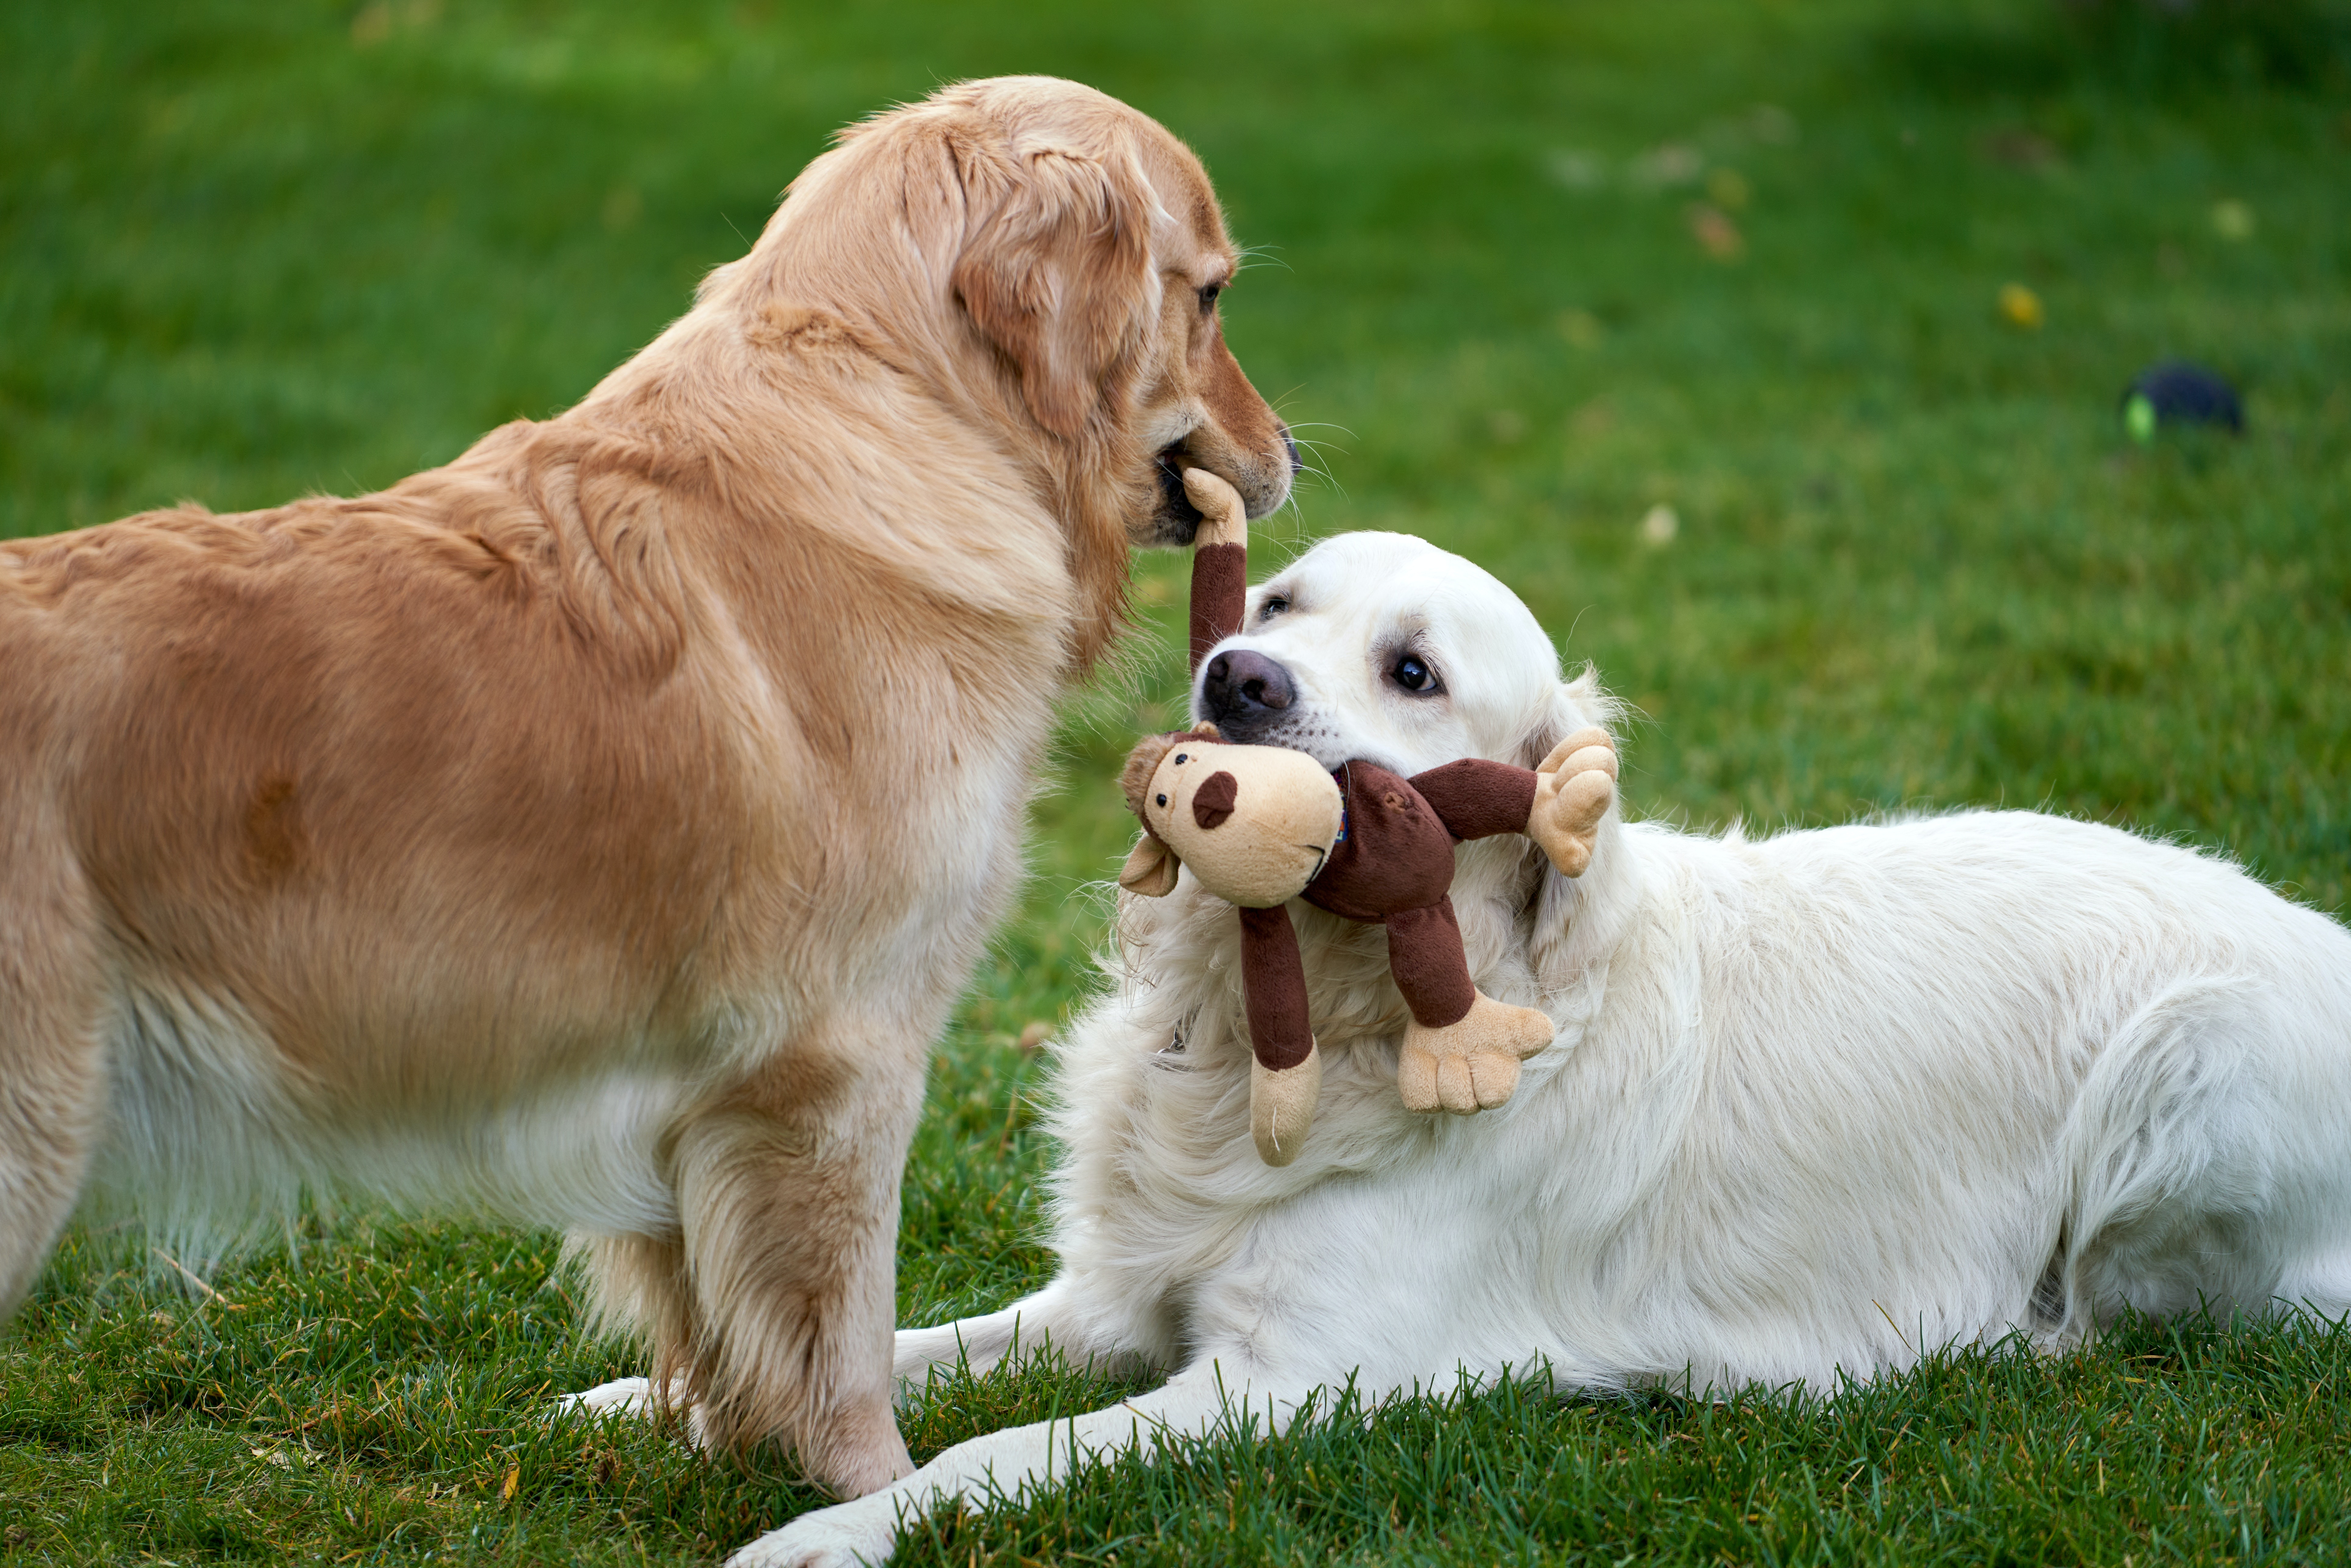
<point x="1817" y="1104"/>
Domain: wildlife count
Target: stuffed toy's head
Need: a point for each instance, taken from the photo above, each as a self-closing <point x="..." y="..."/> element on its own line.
<point x="1254" y="822"/>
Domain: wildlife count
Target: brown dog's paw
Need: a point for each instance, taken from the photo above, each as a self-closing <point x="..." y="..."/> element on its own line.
<point x="1574" y="786"/>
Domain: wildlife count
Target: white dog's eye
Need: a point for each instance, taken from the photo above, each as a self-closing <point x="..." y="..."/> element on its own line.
<point x="1415" y="675"/>
<point x="1272" y="607"/>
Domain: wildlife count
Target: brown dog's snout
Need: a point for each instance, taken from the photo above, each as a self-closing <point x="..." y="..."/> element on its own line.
<point x="1214" y="800"/>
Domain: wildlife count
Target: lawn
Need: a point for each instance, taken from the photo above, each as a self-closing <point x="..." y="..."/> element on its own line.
<point x="1537" y="278"/>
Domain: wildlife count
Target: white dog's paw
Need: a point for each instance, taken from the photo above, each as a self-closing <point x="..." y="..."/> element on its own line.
<point x="825" y="1540"/>
<point x="629" y="1397"/>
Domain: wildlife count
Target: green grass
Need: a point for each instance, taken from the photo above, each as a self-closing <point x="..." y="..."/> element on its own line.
<point x="247" y="250"/>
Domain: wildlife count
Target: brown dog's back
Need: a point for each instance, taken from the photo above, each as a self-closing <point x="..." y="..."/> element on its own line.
<point x="596" y="830"/>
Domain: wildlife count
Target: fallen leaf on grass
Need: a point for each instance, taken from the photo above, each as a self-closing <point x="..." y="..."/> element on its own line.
<point x="1714" y="231"/>
<point x="2020" y="148"/>
<point x="1673" y="163"/>
<point x="1581" y="327"/>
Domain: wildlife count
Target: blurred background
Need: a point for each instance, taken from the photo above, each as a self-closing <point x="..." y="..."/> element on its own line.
<point x="1773" y="352"/>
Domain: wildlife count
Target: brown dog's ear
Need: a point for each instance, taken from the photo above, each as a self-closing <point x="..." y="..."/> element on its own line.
<point x="1058" y="275"/>
<point x="1150" y="869"/>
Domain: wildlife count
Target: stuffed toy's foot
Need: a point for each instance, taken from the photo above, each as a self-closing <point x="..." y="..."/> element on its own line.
<point x="1472" y="1065"/>
<point x="1281" y="1107"/>
<point x="1223" y="518"/>
<point x="1574" y="786"/>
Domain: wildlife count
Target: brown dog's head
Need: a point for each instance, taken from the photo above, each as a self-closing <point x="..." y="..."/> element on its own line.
<point x="1093" y="255"/>
<point x="1050" y="261"/>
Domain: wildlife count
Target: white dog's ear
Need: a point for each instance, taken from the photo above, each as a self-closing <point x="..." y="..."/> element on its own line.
<point x="1572" y="706"/>
<point x="1056" y="271"/>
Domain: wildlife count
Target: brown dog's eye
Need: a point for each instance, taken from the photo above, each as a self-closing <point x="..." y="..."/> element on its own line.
<point x="1180" y="760"/>
<point x="1209" y="297"/>
<point x="1162" y="799"/>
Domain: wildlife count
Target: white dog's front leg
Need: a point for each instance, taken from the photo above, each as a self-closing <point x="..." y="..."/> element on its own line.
<point x="631" y="1396"/>
<point x="981" y="1344"/>
<point x="1016" y="1462"/>
<point x="1085" y="1325"/>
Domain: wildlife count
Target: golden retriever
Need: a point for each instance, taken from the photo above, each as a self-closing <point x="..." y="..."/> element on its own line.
<point x="595" y="832"/>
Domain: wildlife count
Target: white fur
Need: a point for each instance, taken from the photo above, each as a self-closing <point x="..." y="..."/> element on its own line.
<point x="1819" y="1102"/>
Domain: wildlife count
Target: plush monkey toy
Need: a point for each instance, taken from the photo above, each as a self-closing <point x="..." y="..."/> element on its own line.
<point x="1260" y="825"/>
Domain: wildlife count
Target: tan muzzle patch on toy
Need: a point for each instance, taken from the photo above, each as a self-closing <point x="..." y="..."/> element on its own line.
<point x="1254" y="822"/>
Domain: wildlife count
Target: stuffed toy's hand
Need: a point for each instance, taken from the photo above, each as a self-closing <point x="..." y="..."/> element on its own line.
<point x="1574" y="786"/>
<point x="1223" y="518"/>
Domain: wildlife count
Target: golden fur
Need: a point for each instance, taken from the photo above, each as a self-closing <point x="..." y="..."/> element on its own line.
<point x="596" y="830"/>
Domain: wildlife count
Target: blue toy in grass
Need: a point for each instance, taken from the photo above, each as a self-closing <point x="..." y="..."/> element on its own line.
<point x="2177" y="393"/>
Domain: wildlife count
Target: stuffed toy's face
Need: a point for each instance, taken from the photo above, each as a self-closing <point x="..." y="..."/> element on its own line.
<point x="1254" y="822"/>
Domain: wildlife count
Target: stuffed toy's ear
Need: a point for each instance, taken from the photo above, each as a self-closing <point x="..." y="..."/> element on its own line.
<point x="1150" y="869"/>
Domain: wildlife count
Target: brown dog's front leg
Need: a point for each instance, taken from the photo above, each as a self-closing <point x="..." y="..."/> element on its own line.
<point x="788" y="1186"/>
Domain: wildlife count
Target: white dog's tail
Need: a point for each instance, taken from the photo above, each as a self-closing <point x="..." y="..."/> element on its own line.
<point x="2163" y="1140"/>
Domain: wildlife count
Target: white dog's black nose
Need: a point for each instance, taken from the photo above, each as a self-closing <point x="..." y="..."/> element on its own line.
<point x="1238" y="686"/>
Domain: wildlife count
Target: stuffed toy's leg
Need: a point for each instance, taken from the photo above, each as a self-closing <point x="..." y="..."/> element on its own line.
<point x="1462" y="1048"/>
<point x="1286" y="1074"/>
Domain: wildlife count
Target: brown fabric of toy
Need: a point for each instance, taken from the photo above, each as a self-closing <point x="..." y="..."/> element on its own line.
<point x="1396" y="854"/>
<point x="1476" y="798"/>
<point x="1220" y="590"/>
<point x="1425" y="958"/>
<point x="1141" y="762"/>
<point x="1213" y="802"/>
<point x="1273" y="981"/>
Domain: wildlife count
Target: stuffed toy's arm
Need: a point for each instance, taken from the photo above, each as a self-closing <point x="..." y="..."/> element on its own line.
<point x="1219" y="561"/>
<point x="1476" y="798"/>
<point x="1273" y="986"/>
<point x="1558" y="805"/>
<point x="1574" y="786"/>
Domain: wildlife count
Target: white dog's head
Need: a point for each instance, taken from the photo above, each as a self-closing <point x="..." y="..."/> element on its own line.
<point x="1386" y="648"/>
